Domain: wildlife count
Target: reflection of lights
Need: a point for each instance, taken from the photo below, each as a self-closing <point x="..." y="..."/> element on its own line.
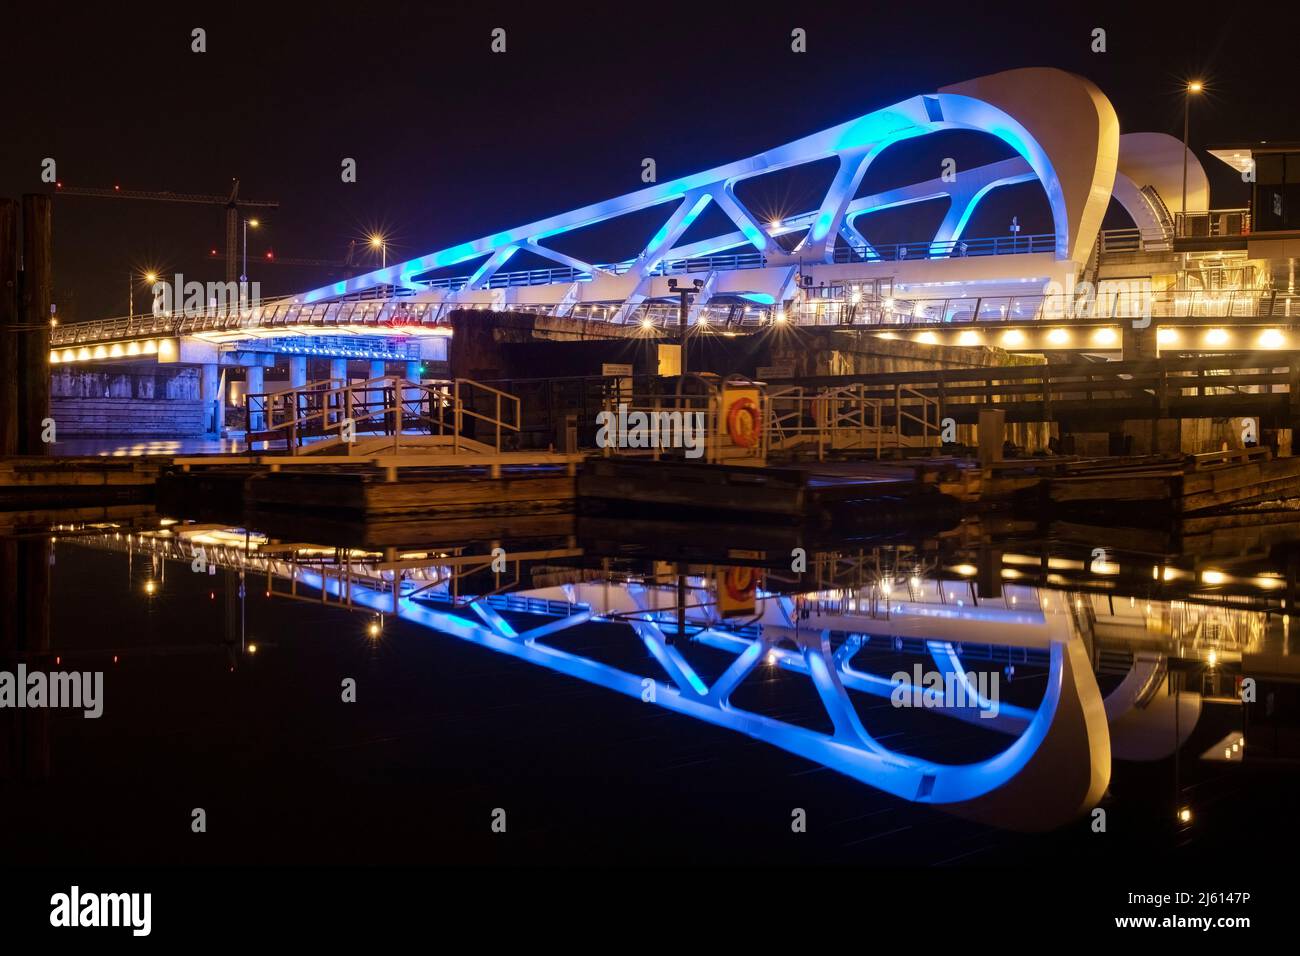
<point x="1268" y="581"/>
<point x="965" y="569"/>
<point x="771" y="658"/>
<point x="374" y="629"/>
<point x="150" y="587"/>
<point x="1213" y="577"/>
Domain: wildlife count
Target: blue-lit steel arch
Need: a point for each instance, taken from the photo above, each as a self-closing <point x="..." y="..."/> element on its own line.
<point x="1059" y="124"/>
<point x="1056" y="768"/>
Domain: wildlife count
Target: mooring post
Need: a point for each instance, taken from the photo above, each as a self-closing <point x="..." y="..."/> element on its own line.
<point x="34" y="355"/>
<point x="10" y="337"/>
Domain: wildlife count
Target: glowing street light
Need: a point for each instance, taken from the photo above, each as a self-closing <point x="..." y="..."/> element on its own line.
<point x="1193" y="87"/>
<point x="149" y="277"/>
<point x="247" y="222"/>
<point x="380" y="242"/>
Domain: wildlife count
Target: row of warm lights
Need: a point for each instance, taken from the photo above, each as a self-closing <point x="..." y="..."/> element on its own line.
<point x="166" y="348"/>
<point x="1209" y="576"/>
<point x="1214" y="578"/>
<point x="1264" y="339"/>
<point x="1107" y="336"/>
<point x="1015" y="338"/>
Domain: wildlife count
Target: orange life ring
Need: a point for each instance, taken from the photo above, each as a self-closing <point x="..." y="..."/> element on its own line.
<point x="744" y="435"/>
<point x="740" y="583"/>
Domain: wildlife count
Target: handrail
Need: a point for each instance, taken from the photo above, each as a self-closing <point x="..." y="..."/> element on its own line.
<point x="329" y="407"/>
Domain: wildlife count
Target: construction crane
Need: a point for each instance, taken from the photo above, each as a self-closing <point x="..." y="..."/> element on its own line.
<point x="232" y="203"/>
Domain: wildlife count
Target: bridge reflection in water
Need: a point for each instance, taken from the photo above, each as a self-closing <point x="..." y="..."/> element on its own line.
<point x="1095" y="674"/>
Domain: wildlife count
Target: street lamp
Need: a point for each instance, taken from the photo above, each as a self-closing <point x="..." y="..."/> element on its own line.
<point x="1194" y="87"/>
<point x="247" y="222"/>
<point x="381" y="243"/>
<point x="149" y="277"/>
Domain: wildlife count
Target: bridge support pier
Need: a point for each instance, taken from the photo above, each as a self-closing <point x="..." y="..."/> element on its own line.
<point x="1138" y="343"/>
<point x="377" y="368"/>
<point x="992" y="433"/>
<point x="213" y="401"/>
<point x="297" y="371"/>
<point x="339" y="369"/>
<point x="254" y="386"/>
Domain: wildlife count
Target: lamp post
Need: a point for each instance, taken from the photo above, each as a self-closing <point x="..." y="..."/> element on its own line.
<point x="381" y="243"/>
<point x="684" y="298"/>
<point x="149" y="277"/>
<point x="1193" y="87"/>
<point x="247" y="222"/>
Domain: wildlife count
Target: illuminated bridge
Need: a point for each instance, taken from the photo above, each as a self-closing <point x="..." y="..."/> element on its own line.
<point x="1184" y="280"/>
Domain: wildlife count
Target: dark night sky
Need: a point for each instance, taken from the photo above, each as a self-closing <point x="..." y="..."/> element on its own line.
<point x="453" y="142"/>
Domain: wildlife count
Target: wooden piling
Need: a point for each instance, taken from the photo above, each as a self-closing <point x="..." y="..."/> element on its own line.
<point x="37" y="296"/>
<point x="10" y="336"/>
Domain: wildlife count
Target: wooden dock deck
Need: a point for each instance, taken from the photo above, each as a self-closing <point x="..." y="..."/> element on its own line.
<point x="36" y="480"/>
<point x="384" y="486"/>
<point x="822" y="493"/>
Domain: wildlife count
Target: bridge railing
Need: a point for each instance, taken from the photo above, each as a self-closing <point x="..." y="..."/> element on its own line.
<point x="972" y="310"/>
<point x="387" y="314"/>
<point x="952" y="249"/>
<point x="1212" y="222"/>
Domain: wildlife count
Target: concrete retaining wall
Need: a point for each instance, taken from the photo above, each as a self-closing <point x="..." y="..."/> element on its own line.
<point x="86" y="403"/>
